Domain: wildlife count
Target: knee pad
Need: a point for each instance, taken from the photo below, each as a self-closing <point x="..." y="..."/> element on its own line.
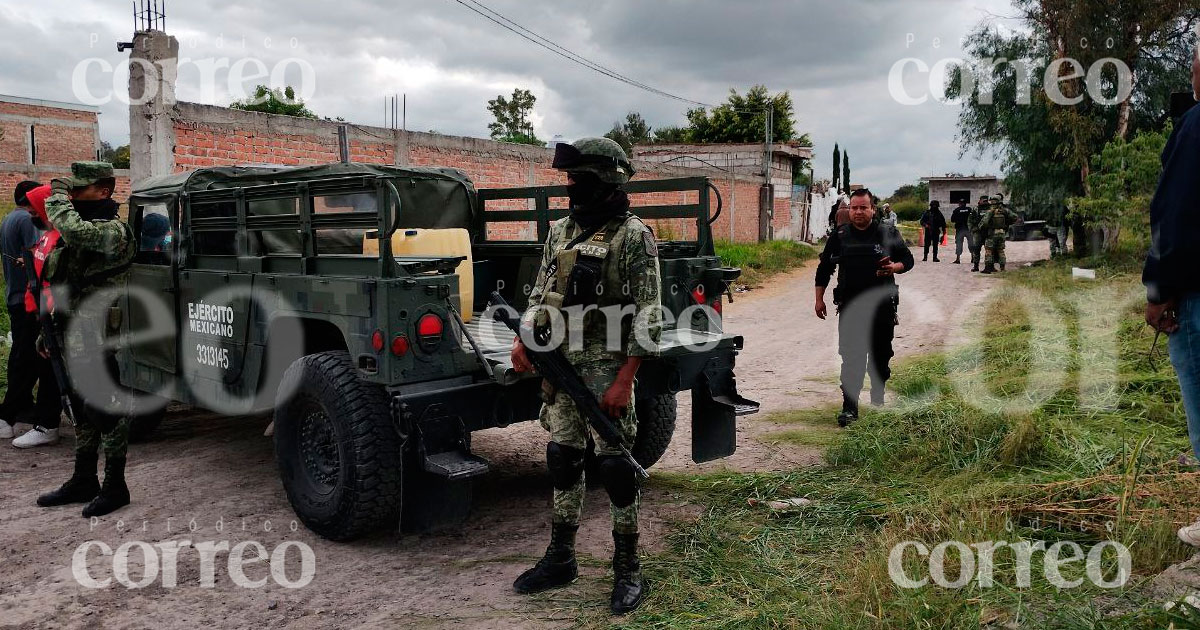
<point x="565" y="464"/>
<point x="619" y="480"/>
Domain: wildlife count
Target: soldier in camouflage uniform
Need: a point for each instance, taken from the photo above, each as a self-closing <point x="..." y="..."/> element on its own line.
<point x="1056" y="232"/>
<point x="94" y="254"/>
<point x="995" y="226"/>
<point x="599" y="257"/>
<point x="974" y="223"/>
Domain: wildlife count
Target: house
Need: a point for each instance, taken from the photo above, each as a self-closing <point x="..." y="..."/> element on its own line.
<point x="949" y="190"/>
<point x="740" y="158"/>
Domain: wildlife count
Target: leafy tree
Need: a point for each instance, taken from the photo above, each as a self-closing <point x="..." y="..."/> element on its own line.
<point x="632" y="132"/>
<point x="118" y="157"/>
<point x="512" y="118"/>
<point x="743" y="118"/>
<point x="270" y="101"/>
<point x="672" y="135"/>
<point x="918" y="191"/>
<point x="1121" y="183"/>
<point x="1046" y="148"/>
<point x="837" y="164"/>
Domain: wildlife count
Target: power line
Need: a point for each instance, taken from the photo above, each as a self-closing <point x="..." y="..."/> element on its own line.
<point x="504" y="22"/>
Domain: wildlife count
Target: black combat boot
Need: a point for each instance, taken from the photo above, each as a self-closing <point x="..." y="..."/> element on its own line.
<point x="877" y="395"/>
<point x="989" y="268"/>
<point x="1001" y="266"/>
<point x="80" y="488"/>
<point x="958" y="260"/>
<point x="974" y="266"/>
<point x="628" y="589"/>
<point x="849" y="411"/>
<point x="114" y="494"/>
<point x="557" y="567"/>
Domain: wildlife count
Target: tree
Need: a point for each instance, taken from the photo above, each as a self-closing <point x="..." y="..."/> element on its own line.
<point x="118" y="157"/>
<point x="671" y="135"/>
<point x="744" y="118"/>
<point x="918" y="191"/>
<point x="846" y="170"/>
<point x="1046" y="147"/>
<point x="512" y="118"/>
<point x="632" y="132"/>
<point x="1121" y="183"/>
<point x="837" y="166"/>
<point x="270" y="101"/>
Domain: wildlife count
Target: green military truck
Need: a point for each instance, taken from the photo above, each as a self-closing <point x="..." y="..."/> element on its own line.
<point x="253" y="292"/>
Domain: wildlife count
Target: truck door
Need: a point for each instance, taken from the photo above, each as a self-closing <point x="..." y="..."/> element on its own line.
<point x="151" y="307"/>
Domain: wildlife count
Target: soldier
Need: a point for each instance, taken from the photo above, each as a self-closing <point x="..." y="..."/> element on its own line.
<point x="94" y="253"/>
<point x="974" y="226"/>
<point x="1056" y="232"/>
<point x="598" y="256"/>
<point x="995" y="228"/>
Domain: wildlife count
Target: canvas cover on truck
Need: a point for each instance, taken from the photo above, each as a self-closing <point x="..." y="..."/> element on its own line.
<point x="430" y="197"/>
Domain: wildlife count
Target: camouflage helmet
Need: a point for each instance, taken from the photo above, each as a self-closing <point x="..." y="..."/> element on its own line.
<point x="600" y="156"/>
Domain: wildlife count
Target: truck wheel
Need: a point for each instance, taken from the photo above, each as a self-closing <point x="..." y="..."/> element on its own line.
<point x="339" y="455"/>
<point x="656" y="425"/>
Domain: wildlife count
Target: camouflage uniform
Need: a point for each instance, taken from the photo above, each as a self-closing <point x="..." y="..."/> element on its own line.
<point x="974" y="223"/>
<point x="632" y="263"/>
<point x="995" y="227"/>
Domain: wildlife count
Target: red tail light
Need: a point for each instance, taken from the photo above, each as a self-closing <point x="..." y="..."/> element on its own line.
<point x="429" y="330"/>
<point x="698" y="294"/>
<point x="717" y="306"/>
<point x="377" y="341"/>
<point x="400" y="346"/>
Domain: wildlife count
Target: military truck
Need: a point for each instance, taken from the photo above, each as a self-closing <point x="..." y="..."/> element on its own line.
<point x="265" y="289"/>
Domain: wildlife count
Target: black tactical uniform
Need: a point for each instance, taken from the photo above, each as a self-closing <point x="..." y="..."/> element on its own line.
<point x="866" y="305"/>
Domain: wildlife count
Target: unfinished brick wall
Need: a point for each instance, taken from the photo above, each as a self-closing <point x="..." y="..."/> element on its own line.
<point x="217" y="136"/>
<point x="12" y="174"/>
<point x="60" y="135"/>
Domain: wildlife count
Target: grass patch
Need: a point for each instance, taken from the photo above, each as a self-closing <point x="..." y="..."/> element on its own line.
<point x="760" y="261"/>
<point x="988" y="443"/>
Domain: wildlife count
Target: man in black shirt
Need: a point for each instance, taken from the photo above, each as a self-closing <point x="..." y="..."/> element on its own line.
<point x="960" y="218"/>
<point x="934" y="224"/>
<point x="867" y="257"/>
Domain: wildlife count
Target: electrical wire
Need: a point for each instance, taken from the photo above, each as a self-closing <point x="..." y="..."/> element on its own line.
<point x="504" y="22"/>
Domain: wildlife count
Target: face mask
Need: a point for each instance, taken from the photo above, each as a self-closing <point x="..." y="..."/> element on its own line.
<point x="586" y="191"/>
<point x="96" y="209"/>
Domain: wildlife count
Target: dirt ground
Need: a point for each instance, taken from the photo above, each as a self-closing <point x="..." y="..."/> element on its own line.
<point x="204" y="478"/>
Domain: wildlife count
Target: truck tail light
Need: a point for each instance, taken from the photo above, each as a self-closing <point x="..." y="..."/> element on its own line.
<point x="400" y="345"/>
<point x="717" y="306"/>
<point x="429" y="330"/>
<point x="698" y="294"/>
<point x="377" y="341"/>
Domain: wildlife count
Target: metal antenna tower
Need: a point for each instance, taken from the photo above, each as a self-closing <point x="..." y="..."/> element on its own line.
<point x="150" y="16"/>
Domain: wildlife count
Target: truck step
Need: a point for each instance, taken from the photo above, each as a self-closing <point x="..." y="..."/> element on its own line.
<point x="741" y="406"/>
<point x="456" y="465"/>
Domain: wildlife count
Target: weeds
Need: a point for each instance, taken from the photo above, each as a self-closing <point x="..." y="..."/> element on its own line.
<point x="759" y="261"/>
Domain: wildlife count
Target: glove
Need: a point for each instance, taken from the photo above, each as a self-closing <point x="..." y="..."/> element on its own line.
<point x="60" y="186"/>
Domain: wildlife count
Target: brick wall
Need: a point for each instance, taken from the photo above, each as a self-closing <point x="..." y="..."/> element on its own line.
<point x="11" y="174"/>
<point x="217" y="136"/>
<point x="61" y="134"/>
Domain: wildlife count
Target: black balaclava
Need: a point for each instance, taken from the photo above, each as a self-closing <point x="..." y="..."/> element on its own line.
<point x="96" y="209"/>
<point x="593" y="201"/>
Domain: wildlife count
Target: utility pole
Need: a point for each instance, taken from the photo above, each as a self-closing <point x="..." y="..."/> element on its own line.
<point x="766" y="196"/>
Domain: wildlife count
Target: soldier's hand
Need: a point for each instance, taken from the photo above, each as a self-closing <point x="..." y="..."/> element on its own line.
<point x="520" y="360"/>
<point x="60" y="186"/>
<point x="821" y="309"/>
<point x="616" y="398"/>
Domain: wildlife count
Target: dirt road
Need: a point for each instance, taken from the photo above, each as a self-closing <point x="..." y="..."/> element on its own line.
<point x="207" y="479"/>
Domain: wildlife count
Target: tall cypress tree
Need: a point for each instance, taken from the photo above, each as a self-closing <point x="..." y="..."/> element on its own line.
<point x="837" y="161"/>
<point x="846" y="170"/>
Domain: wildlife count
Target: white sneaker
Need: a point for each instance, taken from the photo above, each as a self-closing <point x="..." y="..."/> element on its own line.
<point x="6" y="430"/>
<point x="1190" y="534"/>
<point x="37" y="437"/>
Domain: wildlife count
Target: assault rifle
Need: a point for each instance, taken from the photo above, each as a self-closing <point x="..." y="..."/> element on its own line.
<point x="554" y="367"/>
<point x="50" y="336"/>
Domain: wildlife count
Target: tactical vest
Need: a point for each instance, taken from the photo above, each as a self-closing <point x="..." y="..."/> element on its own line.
<point x="858" y="262"/>
<point x="576" y="275"/>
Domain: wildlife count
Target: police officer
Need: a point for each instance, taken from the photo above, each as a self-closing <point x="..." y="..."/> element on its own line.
<point x="995" y="226"/>
<point x="597" y="260"/>
<point x="867" y="257"/>
<point x="95" y="251"/>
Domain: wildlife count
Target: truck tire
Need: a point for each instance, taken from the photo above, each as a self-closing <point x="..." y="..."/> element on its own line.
<point x="339" y="455"/>
<point x="656" y="425"/>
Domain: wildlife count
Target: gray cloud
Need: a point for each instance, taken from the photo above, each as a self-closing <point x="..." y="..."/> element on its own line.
<point x="834" y="58"/>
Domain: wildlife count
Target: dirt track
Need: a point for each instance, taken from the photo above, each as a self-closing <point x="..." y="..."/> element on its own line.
<point x="204" y="470"/>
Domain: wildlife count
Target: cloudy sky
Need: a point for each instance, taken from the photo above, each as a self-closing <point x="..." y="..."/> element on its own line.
<point x="834" y="58"/>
